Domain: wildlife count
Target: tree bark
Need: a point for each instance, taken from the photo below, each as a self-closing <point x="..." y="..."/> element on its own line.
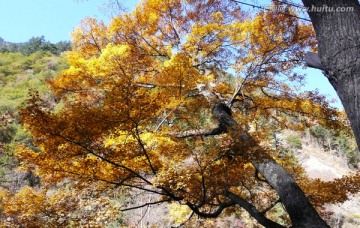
<point x="298" y="206"/>
<point x="338" y="35"/>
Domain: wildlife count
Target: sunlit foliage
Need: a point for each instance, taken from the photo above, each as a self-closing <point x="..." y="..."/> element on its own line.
<point x="134" y="103"/>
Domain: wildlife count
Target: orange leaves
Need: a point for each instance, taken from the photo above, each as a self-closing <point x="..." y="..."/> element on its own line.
<point x="205" y="38"/>
<point x="25" y="207"/>
<point x="178" y="75"/>
<point x="63" y="207"/>
<point x="272" y="40"/>
<point x="30" y="202"/>
<point x="159" y="70"/>
<point x="336" y="191"/>
<point x="89" y="37"/>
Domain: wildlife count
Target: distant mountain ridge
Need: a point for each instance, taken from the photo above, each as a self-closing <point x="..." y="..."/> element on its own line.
<point x="33" y="45"/>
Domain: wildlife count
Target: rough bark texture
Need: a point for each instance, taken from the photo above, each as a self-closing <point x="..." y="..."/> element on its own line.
<point x="299" y="208"/>
<point x="338" y="35"/>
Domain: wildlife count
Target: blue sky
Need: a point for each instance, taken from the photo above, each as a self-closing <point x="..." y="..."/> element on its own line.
<point x="316" y="80"/>
<point x="55" y="19"/>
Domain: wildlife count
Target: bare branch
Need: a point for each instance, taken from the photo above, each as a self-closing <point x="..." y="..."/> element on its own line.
<point x="212" y="214"/>
<point x="251" y="209"/>
<point x="313" y="60"/>
<point x="165" y="117"/>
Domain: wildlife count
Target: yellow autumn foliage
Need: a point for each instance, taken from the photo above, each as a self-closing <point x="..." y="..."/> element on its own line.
<point x="137" y="103"/>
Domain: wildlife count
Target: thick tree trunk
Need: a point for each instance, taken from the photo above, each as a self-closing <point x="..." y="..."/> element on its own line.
<point x="300" y="210"/>
<point x="298" y="206"/>
<point x="338" y="35"/>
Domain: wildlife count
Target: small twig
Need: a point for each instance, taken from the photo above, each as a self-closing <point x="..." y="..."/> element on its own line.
<point x="262" y="8"/>
<point x="144" y="205"/>
<point x="163" y="120"/>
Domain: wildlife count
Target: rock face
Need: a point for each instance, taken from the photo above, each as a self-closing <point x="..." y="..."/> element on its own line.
<point x="328" y="166"/>
<point x="322" y="164"/>
<point x="315" y="168"/>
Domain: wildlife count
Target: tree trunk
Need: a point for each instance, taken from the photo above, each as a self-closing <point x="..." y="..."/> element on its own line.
<point x="298" y="206"/>
<point x="300" y="210"/>
<point x="338" y="35"/>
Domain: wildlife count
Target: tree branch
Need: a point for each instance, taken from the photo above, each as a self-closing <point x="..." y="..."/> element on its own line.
<point x="313" y="60"/>
<point x="222" y="127"/>
<point x="298" y="206"/>
<point x="213" y="214"/>
<point x="146" y="204"/>
<point x="255" y="213"/>
<point x="90" y="151"/>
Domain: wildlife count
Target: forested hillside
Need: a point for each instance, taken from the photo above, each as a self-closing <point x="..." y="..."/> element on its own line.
<point x="35" y="44"/>
<point x="19" y="74"/>
<point x="177" y="114"/>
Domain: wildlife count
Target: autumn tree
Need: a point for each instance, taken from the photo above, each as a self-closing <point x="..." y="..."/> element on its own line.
<point x="178" y="98"/>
